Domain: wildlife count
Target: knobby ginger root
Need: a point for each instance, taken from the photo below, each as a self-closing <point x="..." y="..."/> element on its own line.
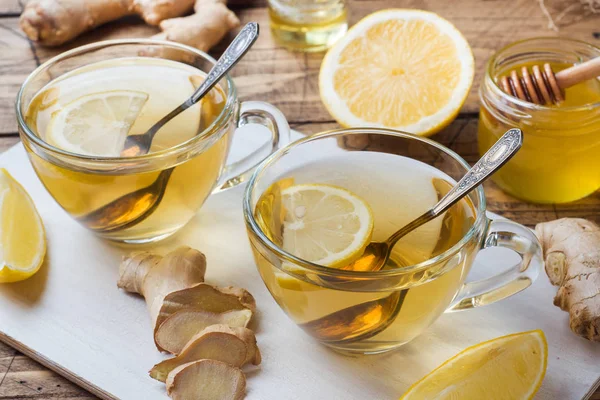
<point x="154" y="11"/>
<point x="154" y="277"/>
<point x="179" y="303"/>
<point x="206" y="297"/>
<point x="186" y="312"/>
<point x="572" y="254"/>
<point x="176" y="331"/>
<point x="54" y="22"/>
<point x="204" y="325"/>
<point x="203" y="29"/>
<point x="206" y="380"/>
<point x="234" y="346"/>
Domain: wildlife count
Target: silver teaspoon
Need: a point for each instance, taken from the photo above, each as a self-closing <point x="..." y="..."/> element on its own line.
<point x="136" y="145"/>
<point x="377" y="254"/>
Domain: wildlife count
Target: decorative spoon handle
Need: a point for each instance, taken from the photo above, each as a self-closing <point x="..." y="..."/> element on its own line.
<point x="496" y="157"/>
<point x="236" y="50"/>
<point x="140" y="144"/>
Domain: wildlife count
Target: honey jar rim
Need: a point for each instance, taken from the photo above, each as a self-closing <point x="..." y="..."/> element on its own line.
<point x="491" y="82"/>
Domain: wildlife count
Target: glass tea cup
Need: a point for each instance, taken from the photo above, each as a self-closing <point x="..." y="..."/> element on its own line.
<point x="145" y="198"/>
<point x="377" y="311"/>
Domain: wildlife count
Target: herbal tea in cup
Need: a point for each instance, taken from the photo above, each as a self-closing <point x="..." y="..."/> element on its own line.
<point x="76" y="110"/>
<point x="312" y="208"/>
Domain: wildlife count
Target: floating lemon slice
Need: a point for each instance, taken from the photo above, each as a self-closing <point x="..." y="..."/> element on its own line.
<point x="509" y="367"/>
<point x="404" y="69"/>
<point x="22" y="239"/>
<point x="96" y="124"/>
<point x="325" y="224"/>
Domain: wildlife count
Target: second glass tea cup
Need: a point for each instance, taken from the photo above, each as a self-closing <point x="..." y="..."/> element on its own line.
<point x="374" y="312"/>
<point x="177" y="179"/>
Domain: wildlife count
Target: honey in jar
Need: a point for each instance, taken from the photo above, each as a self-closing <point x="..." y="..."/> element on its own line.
<point x="560" y="158"/>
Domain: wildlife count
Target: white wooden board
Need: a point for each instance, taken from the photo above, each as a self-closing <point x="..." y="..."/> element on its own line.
<point x="72" y="318"/>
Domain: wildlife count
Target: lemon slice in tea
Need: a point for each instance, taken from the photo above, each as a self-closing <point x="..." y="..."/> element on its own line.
<point x="96" y="124"/>
<point x="22" y="238"/>
<point x="325" y="224"/>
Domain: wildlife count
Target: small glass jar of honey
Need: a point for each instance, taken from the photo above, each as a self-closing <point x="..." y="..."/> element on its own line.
<point x="560" y="158"/>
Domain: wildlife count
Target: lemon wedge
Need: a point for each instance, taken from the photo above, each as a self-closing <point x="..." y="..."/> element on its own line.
<point x="404" y="69"/>
<point x="325" y="224"/>
<point x="96" y="124"/>
<point x="22" y="238"/>
<point x="508" y="367"/>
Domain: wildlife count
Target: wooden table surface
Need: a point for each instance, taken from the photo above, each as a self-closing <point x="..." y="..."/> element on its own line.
<point x="289" y="81"/>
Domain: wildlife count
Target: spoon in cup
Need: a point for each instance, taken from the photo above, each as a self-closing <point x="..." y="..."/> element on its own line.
<point x="377" y="254"/>
<point x="132" y="208"/>
<point x="137" y="145"/>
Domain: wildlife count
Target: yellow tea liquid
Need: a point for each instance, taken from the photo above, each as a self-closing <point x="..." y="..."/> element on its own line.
<point x="308" y="25"/>
<point x="167" y="84"/>
<point x="377" y="320"/>
<point x="559" y="159"/>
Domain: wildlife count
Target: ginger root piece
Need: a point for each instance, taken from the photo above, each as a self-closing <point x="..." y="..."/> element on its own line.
<point x="206" y="380"/>
<point x="154" y="277"/>
<point x="205" y="326"/>
<point x="234" y="346"/>
<point x="54" y="22"/>
<point x="177" y="330"/>
<point x="207" y="298"/>
<point x="572" y="255"/>
<point x="203" y="29"/>
<point x="154" y="11"/>
<point x="246" y="335"/>
<point x="173" y="285"/>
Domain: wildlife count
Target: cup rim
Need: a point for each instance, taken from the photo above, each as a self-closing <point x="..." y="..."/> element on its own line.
<point x="254" y="227"/>
<point x="177" y="150"/>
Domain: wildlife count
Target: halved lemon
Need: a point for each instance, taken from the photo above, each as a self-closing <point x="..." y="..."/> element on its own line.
<point x="325" y="224"/>
<point x="404" y="69"/>
<point x="509" y="367"/>
<point x="96" y="124"/>
<point x="22" y="238"/>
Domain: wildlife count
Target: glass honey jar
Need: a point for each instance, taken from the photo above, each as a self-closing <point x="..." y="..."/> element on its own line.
<point x="560" y="158"/>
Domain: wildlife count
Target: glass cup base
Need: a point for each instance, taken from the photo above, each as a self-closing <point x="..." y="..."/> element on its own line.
<point x="353" y="349"/>
<point x="142" y="240"/>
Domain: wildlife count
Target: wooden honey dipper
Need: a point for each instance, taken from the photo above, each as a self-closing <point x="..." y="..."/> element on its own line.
<point x="543" y="86"/>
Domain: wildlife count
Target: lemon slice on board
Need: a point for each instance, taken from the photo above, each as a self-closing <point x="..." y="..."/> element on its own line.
<point x="22" y="238"/>
<point x="96" y="124"/>
<point x="506" y="368"/>
<point x="405" y="69"/>
<point x="325" y="224"/>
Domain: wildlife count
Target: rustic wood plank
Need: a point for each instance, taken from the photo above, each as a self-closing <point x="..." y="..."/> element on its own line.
<point x="16" y="62"/>
<point x="289" y="80"/>
<point x="28" y="379"/>
<point x="10" y="8"/>
<point x="585" y="208"/>
<point x="21" y="377"/>
<point x="6" y="143"/>
<point x="487" y="26"/>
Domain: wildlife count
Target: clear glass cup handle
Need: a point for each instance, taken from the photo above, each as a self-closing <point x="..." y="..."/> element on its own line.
<point x="256" y="112"/>
<point x="508" y="234"/>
